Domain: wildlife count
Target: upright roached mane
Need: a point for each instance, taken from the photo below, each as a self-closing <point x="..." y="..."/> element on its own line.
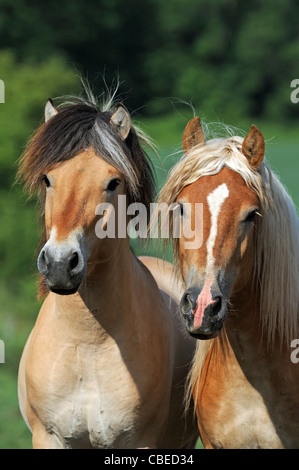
<point x="276" y="263"/>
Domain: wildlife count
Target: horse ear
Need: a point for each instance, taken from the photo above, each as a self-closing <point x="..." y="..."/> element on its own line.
<point x="254" y="147"/>
<point x="193" y="135"/>
<point x="122" y="121"/>
<point x="50" y="110"/>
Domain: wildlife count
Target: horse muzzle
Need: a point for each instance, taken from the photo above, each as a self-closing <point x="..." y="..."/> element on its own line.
<point x="63" y="266"/>
<point x="203" y="312"/>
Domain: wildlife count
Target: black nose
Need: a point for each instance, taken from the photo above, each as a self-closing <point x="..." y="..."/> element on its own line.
<point x="46" y="263"/>
<point x="64" y="274"/>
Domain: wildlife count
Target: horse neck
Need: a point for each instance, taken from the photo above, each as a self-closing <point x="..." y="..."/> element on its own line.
<point x="243" y="312"/>
<point x="110" y="276"/>
<point x="105" y="296"/>
<point x="244" y="325"/>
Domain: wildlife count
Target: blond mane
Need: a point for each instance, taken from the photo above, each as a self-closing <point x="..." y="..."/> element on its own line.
<point x="276" y="264"/>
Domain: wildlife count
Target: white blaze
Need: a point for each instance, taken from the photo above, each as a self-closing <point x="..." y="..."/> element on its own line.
<point x="215" y="200"/>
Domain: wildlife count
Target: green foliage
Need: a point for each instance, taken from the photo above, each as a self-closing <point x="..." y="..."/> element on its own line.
<point x="229" y="56"/>
<point x="234" y="58"/>
<point x="27" y="87"/>
<point x="14" y="433"/>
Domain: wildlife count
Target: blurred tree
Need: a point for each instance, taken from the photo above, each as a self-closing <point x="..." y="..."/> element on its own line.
<point x="229" y="56"/>
<point x="27" y="88"/>
<point x="106" y="37"/>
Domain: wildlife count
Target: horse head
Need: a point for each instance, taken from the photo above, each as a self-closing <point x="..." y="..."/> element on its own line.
<point x="80" y="159"/>
<point x="229" y="207"/>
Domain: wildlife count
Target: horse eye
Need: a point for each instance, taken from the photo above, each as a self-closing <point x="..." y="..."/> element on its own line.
<point x="250" y="217"/>
<point x="46" y="181"/>
<point x="112" y="185"/>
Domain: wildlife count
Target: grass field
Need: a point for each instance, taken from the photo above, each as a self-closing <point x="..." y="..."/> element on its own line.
<point x="17" y="294"/>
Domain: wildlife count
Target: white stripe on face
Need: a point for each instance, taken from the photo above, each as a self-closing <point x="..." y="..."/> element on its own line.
<point x="215" y="200"/>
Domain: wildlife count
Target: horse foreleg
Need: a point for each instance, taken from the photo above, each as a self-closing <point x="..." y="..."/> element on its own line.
<point x="42" y="439"/>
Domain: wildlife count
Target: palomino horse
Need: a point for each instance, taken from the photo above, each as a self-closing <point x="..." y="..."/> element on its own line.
<point x="105" y="366"/>
<point x="242" y="291"/>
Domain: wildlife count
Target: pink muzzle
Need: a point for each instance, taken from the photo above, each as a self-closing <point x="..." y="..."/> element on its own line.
<point x="203" y="300"/>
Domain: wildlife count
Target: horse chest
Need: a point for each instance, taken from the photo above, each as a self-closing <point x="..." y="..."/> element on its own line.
<point x="87" y="404"/>
<point x="232" y="414"/>
<point x="239" y="425"/>
<point x="94" y="415"/>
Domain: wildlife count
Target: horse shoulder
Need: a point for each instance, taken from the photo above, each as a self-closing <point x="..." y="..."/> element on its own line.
<point x="165" y="276"/>
<point x="220" y="381"/>
<point x="171" y="289"/>
<point x="22" y="392"/>
<point x="183" y="346"/>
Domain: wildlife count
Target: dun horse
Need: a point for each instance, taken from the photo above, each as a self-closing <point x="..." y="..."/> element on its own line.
<point x="105" y="366"/>
<point x="242" y="291"/>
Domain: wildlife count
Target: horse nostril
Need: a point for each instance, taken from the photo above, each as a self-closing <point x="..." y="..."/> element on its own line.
<point x="189" y="299"/>
<point x="42" y="257"/>
<point x="185" y="304"/>
<point x="43" y="262"/>
<point x="218" y="309"/>
<point x="74" y="261"/>
<point x="217" y="304"/>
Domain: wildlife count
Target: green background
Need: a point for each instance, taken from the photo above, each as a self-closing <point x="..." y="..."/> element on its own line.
<point x="233" y="61"/>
